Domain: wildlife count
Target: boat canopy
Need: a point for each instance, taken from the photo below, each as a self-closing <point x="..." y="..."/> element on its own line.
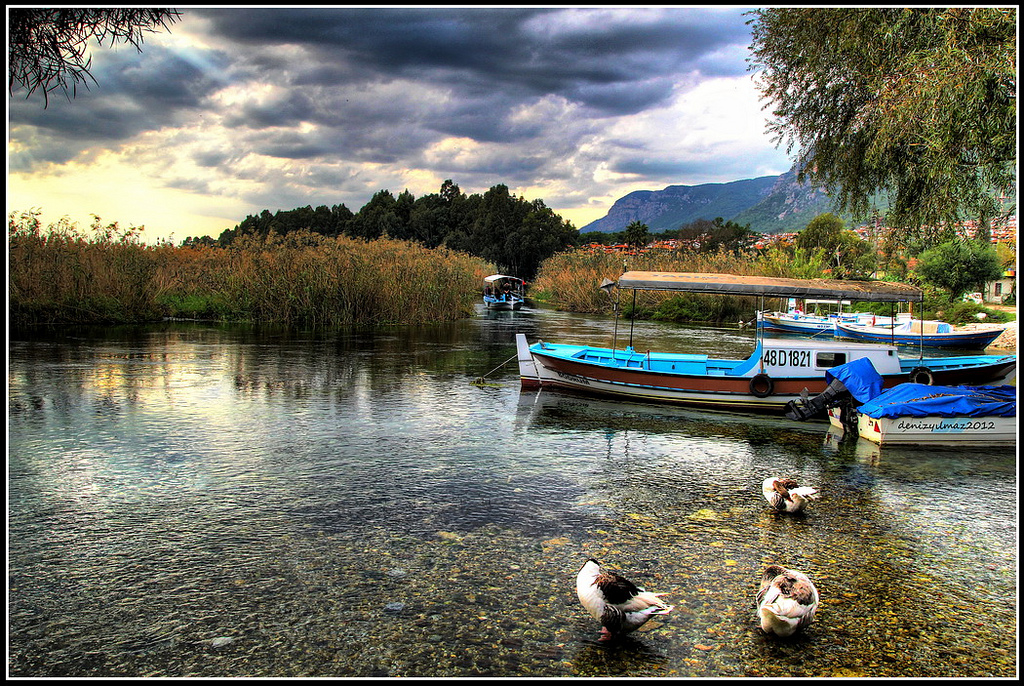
<point x="498" y="277"/>
<point x="922" y="400"/>
<point x="731" y="284"/>
<point x="812" y="301"/>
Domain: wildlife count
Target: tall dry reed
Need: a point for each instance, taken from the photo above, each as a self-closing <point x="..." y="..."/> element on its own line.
<point x="572" y="280"/>
<point x="58" y="275"/>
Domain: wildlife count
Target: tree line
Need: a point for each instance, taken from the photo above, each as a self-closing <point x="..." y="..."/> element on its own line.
<point x="509" y="231"/>
<point x="701" y="235"/>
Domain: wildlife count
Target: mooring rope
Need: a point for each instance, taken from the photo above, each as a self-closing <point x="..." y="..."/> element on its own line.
<point x="480" y="379"/>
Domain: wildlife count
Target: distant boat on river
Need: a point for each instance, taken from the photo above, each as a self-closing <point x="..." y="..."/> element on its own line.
<point x="503" y="292"/>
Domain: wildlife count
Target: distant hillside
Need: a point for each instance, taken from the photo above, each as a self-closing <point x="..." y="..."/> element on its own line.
<point x="769" y="204"/>
<point x="789" y="206"/>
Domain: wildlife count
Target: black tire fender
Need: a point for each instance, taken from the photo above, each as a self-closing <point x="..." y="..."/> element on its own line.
<point x="922" y="375"/>
<point x="762" y="385"/>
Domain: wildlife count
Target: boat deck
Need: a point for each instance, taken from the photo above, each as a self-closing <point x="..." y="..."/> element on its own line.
<point x="677" y="363"/>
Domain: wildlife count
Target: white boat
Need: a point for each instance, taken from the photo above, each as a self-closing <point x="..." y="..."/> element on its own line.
<point x="777" y="371"/>
<point x="914" y="414"/>
<point x="502" y="292"/>
<point x="797" y="322"/>
<point x="934" y="430"/>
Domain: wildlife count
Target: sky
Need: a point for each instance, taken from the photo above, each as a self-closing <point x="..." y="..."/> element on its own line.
<point x="238" y="110"/>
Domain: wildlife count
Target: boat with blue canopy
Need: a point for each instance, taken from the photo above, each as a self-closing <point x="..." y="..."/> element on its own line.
<point x="913" y="413"/>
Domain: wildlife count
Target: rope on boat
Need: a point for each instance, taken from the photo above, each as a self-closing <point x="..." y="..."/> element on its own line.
<point x="479" y="381"/>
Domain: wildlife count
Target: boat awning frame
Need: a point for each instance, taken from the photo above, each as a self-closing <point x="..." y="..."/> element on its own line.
<point x="498" y="277"/>
<point x="768" y="286"/>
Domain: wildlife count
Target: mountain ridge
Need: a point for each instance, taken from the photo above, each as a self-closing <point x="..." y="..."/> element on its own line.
<point x="769" y="204"/>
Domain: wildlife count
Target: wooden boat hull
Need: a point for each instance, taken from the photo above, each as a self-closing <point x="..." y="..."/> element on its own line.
<point x="962" y="340"/>
<point x="776" y="373"/>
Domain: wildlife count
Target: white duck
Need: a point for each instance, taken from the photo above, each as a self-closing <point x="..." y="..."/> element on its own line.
<point x="616" y="602"/>
<point x="785" y="495"/>
<point x="786" y="601"/>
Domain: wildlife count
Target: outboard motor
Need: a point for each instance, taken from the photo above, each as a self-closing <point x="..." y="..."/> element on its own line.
<point x="835" y="393"/>
<point x="849" y="384"/>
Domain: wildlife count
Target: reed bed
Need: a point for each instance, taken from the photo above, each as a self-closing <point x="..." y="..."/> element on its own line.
<point x="60" y="276"/>
<point x="57" y="275"/>
<point x="571" y="281"/>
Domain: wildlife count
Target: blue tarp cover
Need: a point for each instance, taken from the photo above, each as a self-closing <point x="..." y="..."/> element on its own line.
<point x="919" y="400"/>
<point x="859" y="377"/>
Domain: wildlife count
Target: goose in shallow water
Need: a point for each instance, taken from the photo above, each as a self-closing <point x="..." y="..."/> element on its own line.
<point x="785" y="495"/>
<point x="616" y="602"/>
<point x="786" y="600"/>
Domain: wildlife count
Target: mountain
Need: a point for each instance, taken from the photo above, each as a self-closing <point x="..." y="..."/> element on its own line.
<point x="788" y="206"/>
<point x="769" y="204"/>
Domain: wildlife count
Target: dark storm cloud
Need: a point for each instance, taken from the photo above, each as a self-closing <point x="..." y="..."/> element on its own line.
<point x="277" y="101"/>
<point x="489" y="61"/>
<point x="613" y="67"/>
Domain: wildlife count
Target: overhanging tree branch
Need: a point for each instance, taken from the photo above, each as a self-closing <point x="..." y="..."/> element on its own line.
<point x="47" y="47"/>
<point x="917" y="104"/>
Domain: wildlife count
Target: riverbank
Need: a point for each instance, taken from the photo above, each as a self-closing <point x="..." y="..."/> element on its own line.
<point x="1008" y="339"/>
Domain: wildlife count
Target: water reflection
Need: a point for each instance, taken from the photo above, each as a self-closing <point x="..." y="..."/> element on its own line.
<point x="187" y="500"/>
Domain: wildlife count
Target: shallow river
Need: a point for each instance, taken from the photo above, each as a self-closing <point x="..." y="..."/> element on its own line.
<point x="196" y="500"/>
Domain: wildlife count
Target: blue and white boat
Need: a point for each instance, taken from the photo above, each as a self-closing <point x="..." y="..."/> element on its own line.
<point x="794" y="321"/>
<point x="930" y="334"/>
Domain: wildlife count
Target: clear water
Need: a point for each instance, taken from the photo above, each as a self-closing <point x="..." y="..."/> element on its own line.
<point x="195" y="500"/>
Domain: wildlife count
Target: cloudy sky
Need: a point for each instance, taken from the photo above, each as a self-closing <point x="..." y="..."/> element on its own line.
<point x="239" y="110"/>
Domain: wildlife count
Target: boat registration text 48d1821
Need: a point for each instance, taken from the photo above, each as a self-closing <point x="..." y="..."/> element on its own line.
<point x="788" y="358"/>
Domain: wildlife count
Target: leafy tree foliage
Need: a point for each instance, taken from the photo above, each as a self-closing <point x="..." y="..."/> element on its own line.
<point x="379" y="217"/>
<point x="841" y="253"/>
<point x="512" y="232"/>
<point x="47" y="47"/>
<point x="438" y="215"/>
<point x="333" y="221"/>
<point x="852" y="257"/>
<point x="959" y="266"/>
<point x="823" y="231"/>
<point x="918" y="103"/>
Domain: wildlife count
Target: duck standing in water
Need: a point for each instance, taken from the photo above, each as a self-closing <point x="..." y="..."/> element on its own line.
<point x="616" y="602"/>
<point x="786" y="495"/>
<point x="786" y="600"/>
